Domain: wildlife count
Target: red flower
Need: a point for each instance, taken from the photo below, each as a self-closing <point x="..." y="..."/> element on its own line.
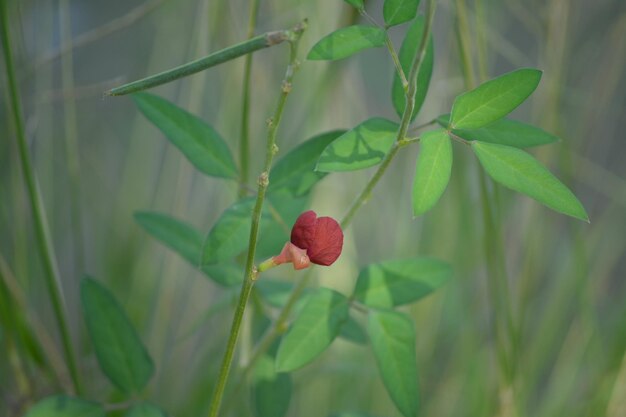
<point x="321" y="237"/>
<point x="313" y="239"/>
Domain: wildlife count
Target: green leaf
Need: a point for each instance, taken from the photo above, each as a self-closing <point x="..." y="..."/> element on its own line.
<point x="198" y="141"/>
<point x="519" y="171"/>
<point x="229" y="235"/>
<point x="504" y="132"/>
<point x="352" y="331"/>
<point x="295" y="171"/>
<point x="397" y="282"/>
<point x="145" y="410"/>
<point x="510" y="133"/>
<point x="347" y="41"/>
<point x="64" y="406"/>
<point x="313" y="330"/>
<point x="364" y="146"/>
<point x="272" y="391"/>
<point x="357" y="4"/>
<point x="409" y="48"/>
<point x="175" y="234"/>
<point x="121" y="354"/>
<point x="493" y="99"/>
<point x="226" y="274"/>
<point x="396" y="12"/>
<point x="351" y="414"/>
<point x="432" y="172"/>
<point x="392" y="337"/>
<point x="274" y="292"/>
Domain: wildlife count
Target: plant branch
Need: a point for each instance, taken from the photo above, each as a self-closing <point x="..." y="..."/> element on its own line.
<point x="251" y="272"/>
<point x="246" y="47"/>
<point x="280" y="324"/>
<point x="406" y="117"/>
<point x="390" y="48"/>
<point x="44" y="242"/>
<point x="244" y="140"/>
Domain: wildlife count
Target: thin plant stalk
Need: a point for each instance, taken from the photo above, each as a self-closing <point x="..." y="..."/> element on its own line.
<point x="280" y="325"/>
<point x="246" y="47"/>
<point x="44" y="241"/>
<point x="71" y="135"/>
<point x="251" y="272"/>
<point x="244" y="139"/>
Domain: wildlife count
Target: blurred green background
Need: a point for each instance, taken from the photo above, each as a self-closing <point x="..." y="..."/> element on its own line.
<point x="98" y="161"/>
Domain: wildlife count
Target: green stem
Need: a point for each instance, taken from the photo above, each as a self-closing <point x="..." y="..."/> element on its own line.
<point x="44" y="242"/>
<point x="258" y="42"/>
<point x="280" y="323"/>
<point x="390" y="48"/>
<point x="404" y="123"/>
<point x="244" y="141"/>
<point x="250" y="270"/>
<point x="71" y="135"/>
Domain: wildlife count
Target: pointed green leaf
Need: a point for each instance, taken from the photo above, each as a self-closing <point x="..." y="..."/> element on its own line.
<point x="443" y="120"/>
<point x="409" y="48"/>
<point x="145" y="410"/>
<point x="352" y="331"/>
<point x="493" y="99"/>
<point x="519" y="171"/>
<point x="397" y="282"/>
<point x="347" y="41"/>
<point x="510" y="133"/>
<point x="175" y="234"/>
<point x="313" y="330"/>
<point x="295" y="171"/>
<point x="64" y="406"/>
<point x="364" y="146"/>
<point x="396" y="12"/>
<point x="432" y="172"/>
<point x="392" y="337"/>
<point x="504" y="132"/>
<point x="198" y="141"/>
<point x="272" y="390"/>
<point x="121" y="354"/>
<point x="229" y="235"/>
<point x="357" y="4"/>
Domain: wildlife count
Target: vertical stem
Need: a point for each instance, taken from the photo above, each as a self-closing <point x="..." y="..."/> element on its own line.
<point x="250" y="270"/>
<point x="44" y="243"/>
<point x="71" y="135"/>
<point x="244" y="140"/>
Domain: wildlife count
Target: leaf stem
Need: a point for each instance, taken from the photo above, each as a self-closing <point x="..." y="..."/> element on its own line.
<point x="244" y="140"/>
<point x="44" y="241"/>
<point x="246" y="47"/>
<point x="251" y="272"/>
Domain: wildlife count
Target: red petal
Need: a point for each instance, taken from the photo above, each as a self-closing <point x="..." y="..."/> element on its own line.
<point x="328" y="242"/>
<point x="303" y="231"/>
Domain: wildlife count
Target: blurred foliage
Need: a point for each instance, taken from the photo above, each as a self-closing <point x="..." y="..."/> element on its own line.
<point x="98" y="161"/>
